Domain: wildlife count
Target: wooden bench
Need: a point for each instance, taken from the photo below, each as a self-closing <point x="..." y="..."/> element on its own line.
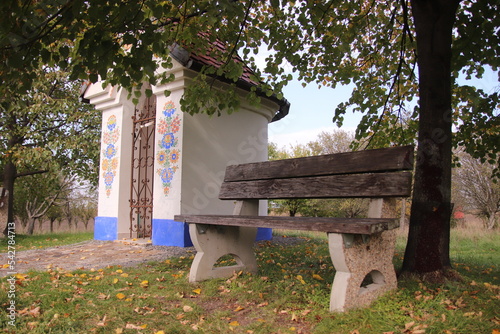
<point x="359" y="247"/>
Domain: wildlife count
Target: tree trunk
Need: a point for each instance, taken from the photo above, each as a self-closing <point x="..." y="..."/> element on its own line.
<point x="31" y="226"/>
<point x="427" y="250"/>
<point x="9" y="177"/>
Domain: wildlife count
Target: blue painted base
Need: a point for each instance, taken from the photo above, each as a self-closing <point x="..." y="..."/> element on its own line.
<point x="167" y="232"/>
<point x="264" y="234"/>
<point x="106" y="228"/>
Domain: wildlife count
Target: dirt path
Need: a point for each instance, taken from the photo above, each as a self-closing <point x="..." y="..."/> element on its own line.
<point x="99" y="254"/>
<point x="90" y="254"/>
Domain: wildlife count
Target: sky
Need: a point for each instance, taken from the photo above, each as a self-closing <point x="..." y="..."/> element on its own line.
<point x="312" y="110"/>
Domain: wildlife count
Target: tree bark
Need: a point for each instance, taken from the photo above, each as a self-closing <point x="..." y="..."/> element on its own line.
<point x="427" y="250"/>
<point x="9" y="177"/>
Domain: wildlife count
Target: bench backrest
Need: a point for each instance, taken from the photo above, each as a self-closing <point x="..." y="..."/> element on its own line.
<point x="371" y="173"/>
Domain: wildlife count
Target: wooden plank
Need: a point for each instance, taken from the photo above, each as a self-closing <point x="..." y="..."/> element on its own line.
<point x="393" y="184"/>
<point x="321" y="224"/>
<point x="380" y="160"/>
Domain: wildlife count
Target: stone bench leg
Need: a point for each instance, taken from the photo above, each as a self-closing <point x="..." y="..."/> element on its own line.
<point x="213" y="241"/>
<point x="355" y="257"/>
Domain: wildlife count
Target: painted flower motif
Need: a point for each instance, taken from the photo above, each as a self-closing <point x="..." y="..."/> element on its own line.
<point x="108" y="178"/>
<point x="174" y="156"/>
<point x="168" y="155"/>
<point x="162" y="126"/>
<point x="168" y="140"/>
<point x="105" y="164"/>
<point x="110" y="151"/>
<point x="166" y="174"/>
<point x="169" y="109"/>
<point x="111" y="122"/>
<point x="110" y="136"/>
<point x="161" y="157"/>
<point x="176" y="124"/>
<point x="114" y="164"/>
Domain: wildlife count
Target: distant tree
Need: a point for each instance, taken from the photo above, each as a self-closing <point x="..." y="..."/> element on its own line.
<point x="477" y="189"/>
<point x="54" y="214"/>
<point x="50" y="188"/>
<point x="47" y="125"/>
<point x="337" y="141"/>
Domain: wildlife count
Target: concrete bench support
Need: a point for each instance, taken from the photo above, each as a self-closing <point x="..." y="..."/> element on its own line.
<point x="213" y="242"/>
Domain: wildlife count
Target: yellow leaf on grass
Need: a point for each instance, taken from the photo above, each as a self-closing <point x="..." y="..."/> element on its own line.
<point x="316" y="276"/>
<point x="145" y="284"/>
<point x="120" y="295"/>
<point x="238" y="308"/>
<point x="301" y="279"/>
<point x="6" y="266"/>
<point x="234" y="323"/>
<point x="132" y="326"/>
<point x="124" y="275"/>
<point x="20" y="277"/>
<point x="115" y="280"/>
<point x="197" y="291"/>
<point x="160" y="332"/>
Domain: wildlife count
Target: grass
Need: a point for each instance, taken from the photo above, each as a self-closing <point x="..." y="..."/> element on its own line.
<point x="37" y="241"/>
<point x="157" y="298"/>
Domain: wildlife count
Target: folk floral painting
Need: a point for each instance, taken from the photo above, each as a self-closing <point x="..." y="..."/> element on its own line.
<point x="109" y="157"/>
<point x="168" y="153"/>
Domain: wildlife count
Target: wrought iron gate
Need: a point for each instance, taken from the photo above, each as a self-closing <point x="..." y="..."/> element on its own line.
<point x="141" y="189"/>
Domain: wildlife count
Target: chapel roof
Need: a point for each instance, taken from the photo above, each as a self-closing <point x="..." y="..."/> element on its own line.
<point x="197" y="60"/>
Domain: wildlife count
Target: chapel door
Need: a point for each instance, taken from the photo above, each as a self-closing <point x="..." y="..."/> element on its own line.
<point x="141" y="190"/>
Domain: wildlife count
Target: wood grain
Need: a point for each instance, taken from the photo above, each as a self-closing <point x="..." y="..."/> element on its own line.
<point x="321" y="224"/>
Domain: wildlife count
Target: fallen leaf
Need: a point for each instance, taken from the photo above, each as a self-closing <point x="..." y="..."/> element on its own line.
<point x="32" y="325"/>
<point x="409" y="325"/>
<point x="132" y="326"/>
<point x="144" y="284"/>
<point x="187" y="308"/>
<point x="120" y="295"/>
<point x="234" y="323"/>
<point x="102" y="323"/>
<point x="317" y="277"/>
<point x="238" y="308"/>
<point x="197" y="291"/>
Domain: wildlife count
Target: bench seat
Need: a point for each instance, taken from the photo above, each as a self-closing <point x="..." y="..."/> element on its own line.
<point x="365" y="226"/>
